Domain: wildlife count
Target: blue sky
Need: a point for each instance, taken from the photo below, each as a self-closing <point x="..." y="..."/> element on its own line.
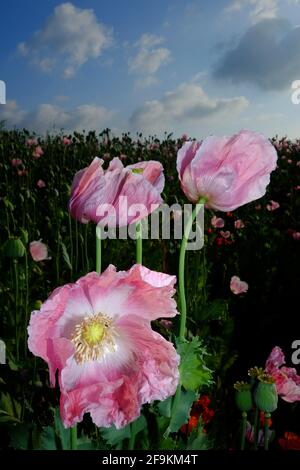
<point x="196" y="67"/>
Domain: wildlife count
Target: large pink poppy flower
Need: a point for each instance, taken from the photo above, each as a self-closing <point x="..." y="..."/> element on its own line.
<point x="228" y="171"/>
<point x="97" y="333"/>
<point x="286" y="378"/>
<point x="118" y="196"/>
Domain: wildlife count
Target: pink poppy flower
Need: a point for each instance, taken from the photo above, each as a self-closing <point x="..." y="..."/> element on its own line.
<point x="66" y="140"/>
<point x="225" y="234"/>
<point x="38" y="152"/>
<point x="286" y="378"/>
<point x="41" y="184"/>
<point x="38" y="251"/>
<point x="184" y="137"/>
<point x="297" y="188"/>
<point x="22" y="172"/>
<point x="118" y="196"/>
<point x="237" y="286"/>
<point x="217" y="222"/>
<point x="228" y="171"/>
<point x="298" y="163"/>
<point x="239" y="224"/>
<point x="31" y="142"/>
<point x="296" y="236"/>
<point x="97" y="333"/>
<point x="273" y="206"/>
<point x="16" y="162"/>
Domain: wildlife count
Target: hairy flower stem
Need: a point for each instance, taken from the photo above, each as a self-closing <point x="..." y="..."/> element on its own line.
<point x="73" y="437"/>
<point x="98" y="250"/>
<point x="138" y="258"/>
<point x="181" y="275"/>
<point x="139" y="243"/>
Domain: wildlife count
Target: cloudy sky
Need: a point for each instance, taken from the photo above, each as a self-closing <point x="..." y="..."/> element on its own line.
<point x="197" y="67"/>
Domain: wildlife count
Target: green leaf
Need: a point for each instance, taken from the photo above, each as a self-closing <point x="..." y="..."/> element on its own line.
<point x="66" y="256"/>
<point x="19" y="437"/>
<point x="165" y="406"/>
<point x="182" y="412"/>
<point x="193" y="371"/>
<point x="47" y="439"/>
<point x="113" y="436"/>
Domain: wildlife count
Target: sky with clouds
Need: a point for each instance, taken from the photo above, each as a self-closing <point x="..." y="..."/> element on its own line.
<point x="198" y="67"/>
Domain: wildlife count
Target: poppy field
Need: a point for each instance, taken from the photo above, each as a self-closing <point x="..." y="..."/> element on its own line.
<point x="142" y="343"/>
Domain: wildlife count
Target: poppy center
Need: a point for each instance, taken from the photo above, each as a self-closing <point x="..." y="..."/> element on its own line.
<point x="93" y="337"/>
<point x="139" y="171"/>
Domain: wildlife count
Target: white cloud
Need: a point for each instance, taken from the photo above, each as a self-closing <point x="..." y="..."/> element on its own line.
<point x="188" y="104"/>
<point x="11" y="113"/>
<point x="149" y="58"/>
<point x="70" y="37"/>
<point x="145" y="82"/>
<point x="49" y="117"/>
<point x="259" y="9"/>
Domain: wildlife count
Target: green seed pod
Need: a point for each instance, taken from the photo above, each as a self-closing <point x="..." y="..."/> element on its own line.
<point x="243" y="396"/>
<point x="37" y="304"/>
<point x="13" y="248"/>
<point x="266" y="397"/>
<point x="243" y="400"/>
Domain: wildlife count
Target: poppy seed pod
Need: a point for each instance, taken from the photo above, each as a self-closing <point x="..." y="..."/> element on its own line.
<point x="14" y="248"/>
<point x="266" y="397"/>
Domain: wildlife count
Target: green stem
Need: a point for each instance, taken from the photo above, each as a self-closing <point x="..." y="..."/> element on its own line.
<point x="76" y="246"/>
<point x="175" y="404"/>
<point x="86" y="248"/>
<point x="139" y="243"/>
<point x="98" y="250"/>
<point x="244" y="427"/>
<point x="182" y="267"/>
<point x="138" y="258"/>
<point x="132" y="436"/>
<point x="71" y="244"/>
<point x="15" y="264"/>
<point x="26" y="304"/>
<point x="73" y="437"/>
<point x="255" y="427"/>
<point x="266" y="429"/>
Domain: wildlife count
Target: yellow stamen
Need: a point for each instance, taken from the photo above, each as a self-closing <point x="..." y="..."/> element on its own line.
<point x="138" y="170"/>
<point x="92" y="337"/>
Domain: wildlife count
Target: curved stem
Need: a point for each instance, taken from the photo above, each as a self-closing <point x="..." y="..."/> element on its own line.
<point x="98" y="250"/>
<point x="139" y="243"/>
<point x="182" y="267"/>
<point x="73" y="437"/>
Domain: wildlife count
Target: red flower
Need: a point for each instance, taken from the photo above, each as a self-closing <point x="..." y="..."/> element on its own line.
<point x="290" y="441"/>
